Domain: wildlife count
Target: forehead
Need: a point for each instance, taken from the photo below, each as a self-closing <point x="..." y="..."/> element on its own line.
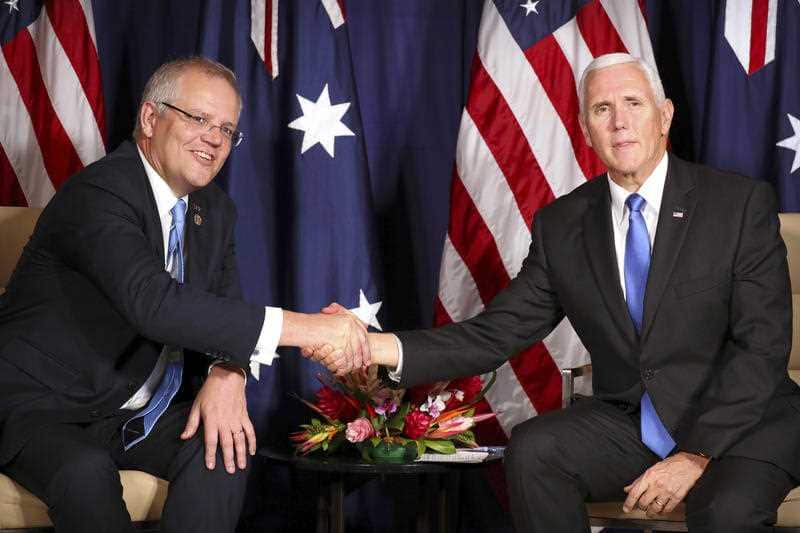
<point x="208" y="94"/>
<point x="626" y="78"/>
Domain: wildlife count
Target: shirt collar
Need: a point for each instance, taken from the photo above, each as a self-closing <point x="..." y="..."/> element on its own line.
<point x="652" y="190"/>
<point x="165" y="198"/>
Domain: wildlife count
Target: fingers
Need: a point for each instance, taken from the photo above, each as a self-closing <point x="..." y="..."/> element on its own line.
<point x="226" y="443"/>
<point x="657" y="506"/>
<point x="192" y="423"/>
<point x="240" y="447"/>
<point x="635" y="491"/>
<point x="250" y="433"/>
<point x="333" y="308"/>
<point x="210" y="440"/>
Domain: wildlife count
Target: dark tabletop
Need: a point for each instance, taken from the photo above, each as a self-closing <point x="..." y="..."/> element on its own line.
<point x="349" y="464"/>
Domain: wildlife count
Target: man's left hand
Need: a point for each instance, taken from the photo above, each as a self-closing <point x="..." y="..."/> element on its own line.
<point x="665" y="484"/>
<point x="222" y="407"/>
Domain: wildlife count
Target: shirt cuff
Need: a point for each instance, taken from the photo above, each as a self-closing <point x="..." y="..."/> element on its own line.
<point x="270" y="335"/>
<point x="397" y="373"/>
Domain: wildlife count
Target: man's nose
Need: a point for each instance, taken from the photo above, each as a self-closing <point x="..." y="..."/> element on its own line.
<point x="620" y="118"/>
<point x="213" y="136"/>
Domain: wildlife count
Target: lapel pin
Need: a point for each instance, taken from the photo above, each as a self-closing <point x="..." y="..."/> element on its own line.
<point x="677" y="212"/>
<point x="198" y="220"/>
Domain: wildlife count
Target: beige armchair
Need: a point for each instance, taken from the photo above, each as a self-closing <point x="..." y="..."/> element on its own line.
<point x="609" y="514"/>
<point x="20" y="510"/>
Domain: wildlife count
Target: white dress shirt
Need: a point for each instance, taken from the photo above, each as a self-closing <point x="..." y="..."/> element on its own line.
<point x="652" y="190"/>
<point x="273" y="316"/>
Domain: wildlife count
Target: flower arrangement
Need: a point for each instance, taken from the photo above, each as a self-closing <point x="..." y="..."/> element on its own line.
<point x="394" y="425"/>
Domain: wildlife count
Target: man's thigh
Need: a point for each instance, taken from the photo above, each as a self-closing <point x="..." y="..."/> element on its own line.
<point x="60" y="455"/>
<point x="737" y="490"/>
<point x="155" y="453"/>
<point x="593" y="442"/>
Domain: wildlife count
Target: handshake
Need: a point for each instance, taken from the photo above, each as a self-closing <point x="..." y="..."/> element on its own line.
<point x="335" y="338"/>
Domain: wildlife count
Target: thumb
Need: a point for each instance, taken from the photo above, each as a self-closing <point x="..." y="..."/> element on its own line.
<point x="333" y="308"/>
<point x="192" y="424"/>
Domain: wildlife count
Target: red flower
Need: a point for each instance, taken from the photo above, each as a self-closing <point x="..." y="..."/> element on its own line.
<point x="336" y="405"/>
<point x="419" y="394"/>
<point x="470" y="386"/>
<point x="416" y="424"/>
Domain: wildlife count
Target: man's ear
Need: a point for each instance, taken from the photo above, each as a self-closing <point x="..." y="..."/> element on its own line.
<point x="584" y="130"/>
<point x="147" y="118"/>
<point x="667" y="111"/>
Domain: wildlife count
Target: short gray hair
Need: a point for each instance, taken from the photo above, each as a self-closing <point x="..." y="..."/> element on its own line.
<point x="163" y="84"/>
<point x="608" y="60"/>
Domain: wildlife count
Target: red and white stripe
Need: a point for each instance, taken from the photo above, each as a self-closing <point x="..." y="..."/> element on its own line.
<point x="520" y="147"/>
<point x="264" y="28"/>
<point x="53" y="121"/>
<point x="264" y="32"/>
<point x="750" y="29"/>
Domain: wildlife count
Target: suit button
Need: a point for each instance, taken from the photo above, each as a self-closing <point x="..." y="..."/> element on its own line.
<point x="94" y="413"/>
<point x="648" y="373"/>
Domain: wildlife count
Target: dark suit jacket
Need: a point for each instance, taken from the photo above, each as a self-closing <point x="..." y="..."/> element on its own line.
<point x="717" y="323"/>
<point x="90" y="306"/>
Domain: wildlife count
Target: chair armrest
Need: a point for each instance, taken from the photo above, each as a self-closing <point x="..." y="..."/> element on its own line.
<point x="568" y="376"/>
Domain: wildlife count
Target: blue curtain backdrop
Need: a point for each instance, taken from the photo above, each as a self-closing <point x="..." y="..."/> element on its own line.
<point x="382" y="202"/>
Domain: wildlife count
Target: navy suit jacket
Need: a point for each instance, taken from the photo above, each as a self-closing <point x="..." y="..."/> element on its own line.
<point x="90" y="306"/>
<point x="717" y="326"/>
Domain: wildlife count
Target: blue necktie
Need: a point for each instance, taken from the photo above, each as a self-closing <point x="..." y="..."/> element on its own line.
<point x="140" y="425"/>
<point x="637" y="264"/>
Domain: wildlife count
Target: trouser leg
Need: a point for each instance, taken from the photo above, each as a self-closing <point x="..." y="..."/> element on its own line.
<point x="557" y="461"/>
<point x="199" y="500"/>
<point x="65" y="467"/>
<point x="737" y="495"/>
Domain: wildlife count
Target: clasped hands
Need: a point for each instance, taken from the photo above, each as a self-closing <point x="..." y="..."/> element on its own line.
<point x="337" y="339"/>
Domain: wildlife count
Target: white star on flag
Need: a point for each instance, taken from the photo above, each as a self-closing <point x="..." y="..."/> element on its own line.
<point x="258" y="360"/>
<point x="321" y="122"/>
<point x="12" y="5"/>
<point x="793" y="142"/>
<point x="530" y="7"/>
<point x="366" y="312"/>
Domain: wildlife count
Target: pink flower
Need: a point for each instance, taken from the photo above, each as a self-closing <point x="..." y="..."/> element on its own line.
<point x="457" y="425"/>
<point x="416" y="424"/>
<point x="387" y="407"/>
<point x="359" y="430"/>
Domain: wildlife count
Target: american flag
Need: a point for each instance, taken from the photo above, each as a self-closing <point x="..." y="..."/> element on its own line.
<point x="520" y="147"/>
<point x="51" y="98"/>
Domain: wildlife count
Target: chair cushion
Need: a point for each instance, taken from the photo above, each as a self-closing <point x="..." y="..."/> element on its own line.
<point x="144" y="496"/>
<point x="788" y="512"/>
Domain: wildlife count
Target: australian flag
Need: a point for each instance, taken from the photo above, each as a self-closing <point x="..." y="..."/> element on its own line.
<point x="733" y="69"/>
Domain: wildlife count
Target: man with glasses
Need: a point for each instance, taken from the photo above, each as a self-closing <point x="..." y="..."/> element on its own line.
<point x="125" y="302"/>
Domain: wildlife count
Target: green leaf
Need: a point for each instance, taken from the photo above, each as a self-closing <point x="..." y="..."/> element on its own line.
<point x="440" y="446"/>
<point x="398" y="420"/>
<point x="375" y="441"/>
<point x="420" y="447"/>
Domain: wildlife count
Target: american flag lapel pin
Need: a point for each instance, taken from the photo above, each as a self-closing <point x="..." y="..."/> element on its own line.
<point x="198" y="220"/>
<point x="677" y="212"/>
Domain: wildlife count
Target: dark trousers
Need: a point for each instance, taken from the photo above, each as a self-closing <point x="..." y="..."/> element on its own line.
<point x="590" y="451"/>
<point x="74" y="469"/>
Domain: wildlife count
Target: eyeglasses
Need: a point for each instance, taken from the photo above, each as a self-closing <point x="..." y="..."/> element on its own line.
<point x="203" y="124"/>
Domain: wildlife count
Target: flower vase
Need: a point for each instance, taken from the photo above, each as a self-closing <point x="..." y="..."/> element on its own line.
<point x="386" y="452"/>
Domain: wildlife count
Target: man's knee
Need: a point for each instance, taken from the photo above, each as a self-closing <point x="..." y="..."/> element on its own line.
<point x="728" y="509"/>
<point x="87" y="477"/>
<point x="533" y="445"/>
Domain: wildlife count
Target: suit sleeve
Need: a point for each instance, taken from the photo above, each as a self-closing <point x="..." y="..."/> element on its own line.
<point x="99" y="234"/>
<point x="752" y="363"/>
<point x="520" y="315"/>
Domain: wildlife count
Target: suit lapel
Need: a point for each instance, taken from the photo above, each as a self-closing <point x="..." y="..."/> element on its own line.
<point x="677" y="207"/>
<point x="197" y="243"/>
<point x="599" y="242"/>
<point x="152" y="220"/>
